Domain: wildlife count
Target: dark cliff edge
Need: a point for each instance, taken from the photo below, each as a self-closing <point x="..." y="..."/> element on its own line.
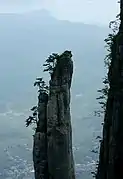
<point x="111" y="149"/>
<point x="52" y="148"/>
<point x="40" y="139"/>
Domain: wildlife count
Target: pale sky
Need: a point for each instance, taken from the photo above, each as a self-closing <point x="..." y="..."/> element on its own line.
<point x="87" y="11"/>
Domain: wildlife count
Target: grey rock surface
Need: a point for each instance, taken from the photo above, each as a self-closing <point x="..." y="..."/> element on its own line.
<point x="52" y="152"/>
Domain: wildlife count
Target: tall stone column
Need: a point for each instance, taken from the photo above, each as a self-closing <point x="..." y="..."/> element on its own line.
<point x="52" y="147"/>
<point x="40" y="140"/>
<point x="60" y="155"/>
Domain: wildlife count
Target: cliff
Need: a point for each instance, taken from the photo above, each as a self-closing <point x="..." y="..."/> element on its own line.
<point x="52" y="149"/>
<point x="40" y="139"/>
<point x="111" y="149"/>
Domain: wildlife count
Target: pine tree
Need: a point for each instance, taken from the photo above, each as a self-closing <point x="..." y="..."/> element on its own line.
<point x="50" y="63"/>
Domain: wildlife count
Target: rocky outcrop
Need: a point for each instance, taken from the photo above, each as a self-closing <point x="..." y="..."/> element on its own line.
<point x="52" y="151"/>
<point x="60" y="156"/>
<point x="105" y="153"/>
<point x="40" y="140"/>
<point x="111" y="150"/>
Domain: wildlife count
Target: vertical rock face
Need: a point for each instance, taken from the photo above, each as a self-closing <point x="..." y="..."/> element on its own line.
<point x="60" y="156"/>
<point x="111" y="150"/>
<point x="106" y="148"/>
<point x="52" y="152"/>
<point x="40" y="140"/>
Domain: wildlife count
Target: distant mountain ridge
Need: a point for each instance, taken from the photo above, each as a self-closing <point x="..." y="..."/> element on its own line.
<point x="42" y="14"/>
<point x="26" y="41"/>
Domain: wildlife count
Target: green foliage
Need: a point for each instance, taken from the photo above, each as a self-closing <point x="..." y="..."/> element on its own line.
<point x="108" y="46"/>
<point x="32" y="119"/>
<point x="114" y="25"/>
<point x="42" y="87"/>
<point x="50" y="63"/>
<point x="52" y="60"/>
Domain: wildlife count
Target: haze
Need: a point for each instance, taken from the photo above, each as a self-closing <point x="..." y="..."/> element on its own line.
<point x="87" y="11"/>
